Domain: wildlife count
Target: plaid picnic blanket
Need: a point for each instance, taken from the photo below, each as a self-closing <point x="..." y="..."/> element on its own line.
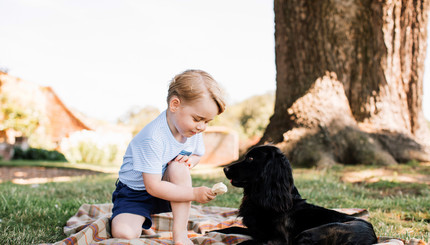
<point x="90" y="225"/>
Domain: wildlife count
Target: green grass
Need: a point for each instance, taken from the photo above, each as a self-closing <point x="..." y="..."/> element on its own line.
<point x="32" y="214"/>
<point x="107" y="168"/>
<point x="396" y="209"/>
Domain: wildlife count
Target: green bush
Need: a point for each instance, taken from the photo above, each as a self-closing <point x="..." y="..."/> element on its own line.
<point x="249" y="117"/>
<point x="95" y="147"/>
<point x="18" y="115"/>
<point x="138" y="117"/>
<point x="38" y="154"/>
<point x="90" y="152"/>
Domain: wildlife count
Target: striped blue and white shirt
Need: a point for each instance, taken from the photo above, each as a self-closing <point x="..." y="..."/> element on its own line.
<point x="151" y="149"/>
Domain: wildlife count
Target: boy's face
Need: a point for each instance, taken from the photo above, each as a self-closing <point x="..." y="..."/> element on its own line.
<point x="190" y="118"/>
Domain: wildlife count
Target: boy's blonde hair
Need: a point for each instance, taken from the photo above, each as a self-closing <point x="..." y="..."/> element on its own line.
<point x="191" y="85"/>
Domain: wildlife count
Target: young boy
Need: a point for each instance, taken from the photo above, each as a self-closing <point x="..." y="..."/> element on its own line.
<point x="155" y="176"/>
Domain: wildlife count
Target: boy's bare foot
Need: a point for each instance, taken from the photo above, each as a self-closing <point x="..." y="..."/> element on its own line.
<point x="182" y="239"/>
<point x="149" y="232"/>
<point x="189" y="242"/>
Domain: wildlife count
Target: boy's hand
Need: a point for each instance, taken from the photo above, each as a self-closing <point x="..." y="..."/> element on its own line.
<point x="203" y="194"/>
<point x="183" y="159"/>
<point x="189" y="161"/>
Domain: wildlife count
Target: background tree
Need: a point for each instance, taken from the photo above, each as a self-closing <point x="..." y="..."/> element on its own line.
<point x="350" y="81"/>
<point x="20" y="117"/>
<point x="137" y="117"/>
<point x="254" y="119"/>
<point x="4" y="69"/>
<point x="244" y="117"/>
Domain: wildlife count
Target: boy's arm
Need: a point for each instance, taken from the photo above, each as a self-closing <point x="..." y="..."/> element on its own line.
<point x="168" y="191"/>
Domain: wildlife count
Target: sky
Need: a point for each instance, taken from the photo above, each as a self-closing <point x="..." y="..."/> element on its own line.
<point x="103" y="57"/>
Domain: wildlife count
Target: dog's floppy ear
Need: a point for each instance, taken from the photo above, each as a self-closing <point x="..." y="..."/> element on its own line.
<point x="278" y="182"/>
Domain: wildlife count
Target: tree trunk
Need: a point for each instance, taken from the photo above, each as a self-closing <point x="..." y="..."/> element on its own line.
<point x="350" y="81"/>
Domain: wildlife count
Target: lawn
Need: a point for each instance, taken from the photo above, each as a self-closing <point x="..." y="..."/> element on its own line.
<point x="32" y="214"/>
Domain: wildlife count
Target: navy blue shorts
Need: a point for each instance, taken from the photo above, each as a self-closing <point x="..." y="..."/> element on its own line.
<point x="127" y="200"/>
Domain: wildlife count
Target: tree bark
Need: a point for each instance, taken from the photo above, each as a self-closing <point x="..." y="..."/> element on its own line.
<point x="350" y="81"/>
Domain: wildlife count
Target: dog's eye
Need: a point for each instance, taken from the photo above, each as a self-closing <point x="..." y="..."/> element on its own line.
<point x="250" y="159"/>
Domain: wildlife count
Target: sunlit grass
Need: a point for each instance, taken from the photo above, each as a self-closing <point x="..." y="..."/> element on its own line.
<point x="107" y="168"/>
<point x="32" y="214"/>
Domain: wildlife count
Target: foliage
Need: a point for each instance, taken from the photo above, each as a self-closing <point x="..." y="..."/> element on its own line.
<point x="256" y="113"/>
<point x="41" y="139"/>
<point x="94" y="147"/>
<point x="138" y="117"/>
<point x="4" y="70"/>
<point x="37" y="154"/>
<point x="249" y="117"/>
<point x="13" y="115"/>
<point x="396" y="209"/>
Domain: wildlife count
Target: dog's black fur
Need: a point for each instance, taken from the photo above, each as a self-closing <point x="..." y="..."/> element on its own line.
<point x="274" y="212"/>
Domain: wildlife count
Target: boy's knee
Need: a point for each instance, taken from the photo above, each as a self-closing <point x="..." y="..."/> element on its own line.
<point x="127" y="234"/>
<point x="127" y="226"/>
<point x="178" y="173"/>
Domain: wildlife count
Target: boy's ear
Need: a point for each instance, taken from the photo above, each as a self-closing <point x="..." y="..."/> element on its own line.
<point x="174" y="103"/>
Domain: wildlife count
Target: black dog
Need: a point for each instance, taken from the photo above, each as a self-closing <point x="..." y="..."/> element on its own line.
<point x="274" y="212"/>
